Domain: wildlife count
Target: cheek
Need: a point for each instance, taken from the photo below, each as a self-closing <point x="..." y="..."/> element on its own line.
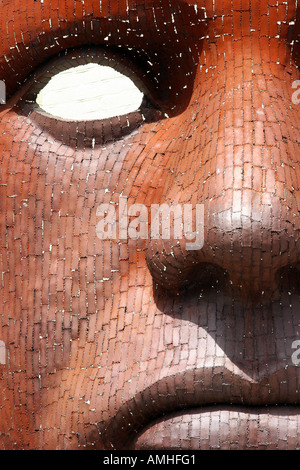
<point x="62" y="286"/>
<point x="70" y="300"/>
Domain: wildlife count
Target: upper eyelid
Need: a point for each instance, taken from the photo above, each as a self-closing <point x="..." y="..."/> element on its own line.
<point x="159" y="86"/>
<point x="17" y="63"/>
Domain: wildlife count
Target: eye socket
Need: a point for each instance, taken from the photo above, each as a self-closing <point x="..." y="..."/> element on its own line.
<point x="106" y="101"/>
<point x="89" y="92"/>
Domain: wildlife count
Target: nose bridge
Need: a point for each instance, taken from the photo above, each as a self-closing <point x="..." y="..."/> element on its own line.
<point x="239" y="158"/>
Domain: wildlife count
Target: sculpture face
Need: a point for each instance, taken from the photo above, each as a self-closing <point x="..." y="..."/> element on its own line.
<point x="142" y="343"/>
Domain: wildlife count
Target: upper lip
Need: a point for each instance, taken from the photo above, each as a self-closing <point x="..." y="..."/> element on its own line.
<point x="199" y="388"/>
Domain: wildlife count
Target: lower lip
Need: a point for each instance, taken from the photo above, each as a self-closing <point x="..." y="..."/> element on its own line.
<point x="227" y="428"/>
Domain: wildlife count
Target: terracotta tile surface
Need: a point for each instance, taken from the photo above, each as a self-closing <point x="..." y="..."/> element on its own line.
<point x="141" y="343"/>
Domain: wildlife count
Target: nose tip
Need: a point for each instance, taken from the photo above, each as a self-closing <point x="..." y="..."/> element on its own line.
<point x="246" y="245"/>
<point x="253" y="241"/>
<point x="233" y="151"/>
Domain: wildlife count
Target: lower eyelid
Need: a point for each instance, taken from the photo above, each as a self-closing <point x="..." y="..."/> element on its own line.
<point x="88" y="134"/>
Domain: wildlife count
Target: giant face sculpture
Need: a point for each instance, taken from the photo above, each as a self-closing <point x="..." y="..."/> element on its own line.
<point x="123" y="343"/>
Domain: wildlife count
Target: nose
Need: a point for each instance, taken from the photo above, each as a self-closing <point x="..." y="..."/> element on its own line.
<point x="236" y="152"/>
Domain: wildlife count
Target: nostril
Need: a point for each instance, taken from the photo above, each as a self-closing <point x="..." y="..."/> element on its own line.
<point x="288" y="279"/>
<point x="205" y="277"/>
<point x="251" y="254"/>
<point x="201" y="279"/>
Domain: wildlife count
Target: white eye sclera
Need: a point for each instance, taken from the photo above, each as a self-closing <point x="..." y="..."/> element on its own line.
<point x="89" y="92"/>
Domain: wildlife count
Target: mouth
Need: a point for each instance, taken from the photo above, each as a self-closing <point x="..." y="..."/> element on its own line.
<point x="211" y="408"/>
<point x="224" y="428"/>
